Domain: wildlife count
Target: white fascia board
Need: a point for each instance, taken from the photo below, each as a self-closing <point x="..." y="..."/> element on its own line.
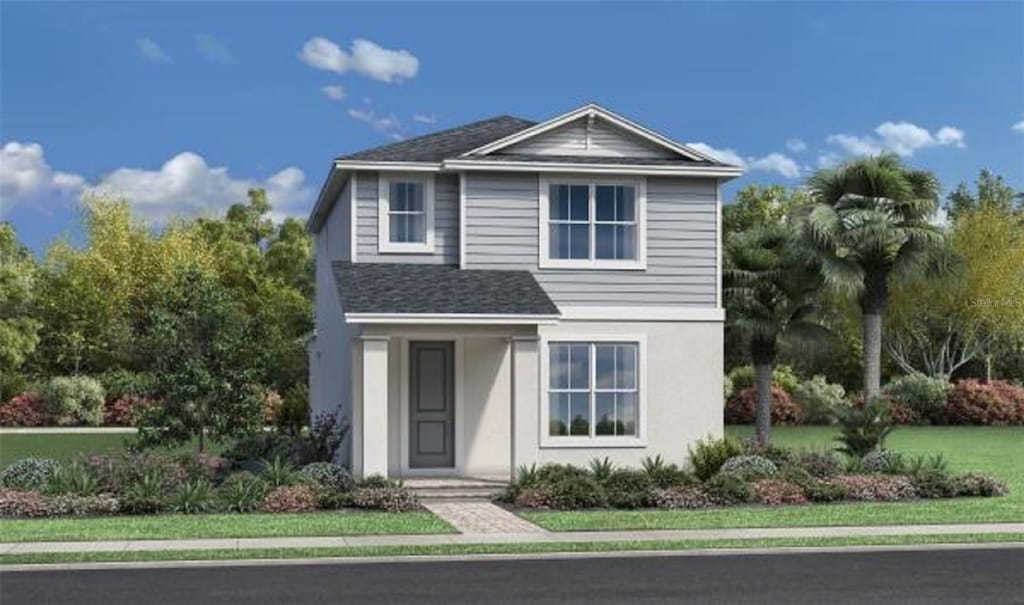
<point x="640" y="313"/>
<point x="449" y="319"/>
<point x="377" y="166"/>
<point x="647" y="169"/>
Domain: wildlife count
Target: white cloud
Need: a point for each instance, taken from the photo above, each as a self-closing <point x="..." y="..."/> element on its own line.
<point x="424" y="118"/>
<point x="773" y="162"/>
<point x="365" y="58"/>
<point x="334" y="92"/>
<point x="776" y="162"/>
<point x="388" y="125"/>
<point x="796" y="145"/>
<point x="25" y="175"/>
<point x="151" y="51"/>
<point x="214" y="49"/>
<point x="829" y="159"/>
<point x="1018" y="127"/>
<point x="187" y="185"/>
<point x="901" y="138"/>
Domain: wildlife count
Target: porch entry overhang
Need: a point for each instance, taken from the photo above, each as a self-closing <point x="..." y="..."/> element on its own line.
<point x="435" y="379"/>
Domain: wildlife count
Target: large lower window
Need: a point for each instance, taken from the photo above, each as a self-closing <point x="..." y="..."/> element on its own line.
<point x="406" y="214"/>
<point x="591" y="224"/>
<point x="593" y="389"/>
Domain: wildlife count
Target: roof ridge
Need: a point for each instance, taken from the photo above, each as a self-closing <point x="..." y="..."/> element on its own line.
<point x="466" y="126"/>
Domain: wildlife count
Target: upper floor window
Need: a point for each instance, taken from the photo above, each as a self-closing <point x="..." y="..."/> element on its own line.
<point x="406" y="217"/>
<point x="596" y="224"/>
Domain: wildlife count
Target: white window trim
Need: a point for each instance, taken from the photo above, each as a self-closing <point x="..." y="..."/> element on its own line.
<point x="605" y="441"/>
<point x="384" y="243"/>
<point x="544" y="258"/>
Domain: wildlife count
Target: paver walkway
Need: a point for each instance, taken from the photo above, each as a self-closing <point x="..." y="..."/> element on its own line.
<point x="518" y="537"/>
<point x="481" y="518"/>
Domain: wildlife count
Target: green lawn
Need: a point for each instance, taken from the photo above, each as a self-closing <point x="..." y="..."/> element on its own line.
<point x="491" y="549"/>
<point x="996" y="450"/>
<point x="65" y="446"/>
<point x="182" y="527"/>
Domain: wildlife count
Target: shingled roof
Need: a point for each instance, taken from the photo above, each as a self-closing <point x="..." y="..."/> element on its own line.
<point x="445" y="144"/>
<point x="405" y="288"/>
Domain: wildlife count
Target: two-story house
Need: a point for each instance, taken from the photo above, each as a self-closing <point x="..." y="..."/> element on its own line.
<point x="510" y="292"/>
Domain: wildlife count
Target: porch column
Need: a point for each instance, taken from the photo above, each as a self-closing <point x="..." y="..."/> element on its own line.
<point x="525" y="361"/>
<point x="373" y="420"/>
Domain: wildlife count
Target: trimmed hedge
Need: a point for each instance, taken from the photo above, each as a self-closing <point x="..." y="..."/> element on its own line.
<point x="741" y="408"/>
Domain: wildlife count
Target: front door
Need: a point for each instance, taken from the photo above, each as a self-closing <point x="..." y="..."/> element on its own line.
<point x="431" y="404"/>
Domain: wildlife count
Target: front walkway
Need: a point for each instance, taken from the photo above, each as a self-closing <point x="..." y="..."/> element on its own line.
<point x="532" y="536"/>
<point x="481" y="518"/>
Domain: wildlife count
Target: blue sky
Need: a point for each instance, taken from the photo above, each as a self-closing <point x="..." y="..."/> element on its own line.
<point x="184" y="105"/>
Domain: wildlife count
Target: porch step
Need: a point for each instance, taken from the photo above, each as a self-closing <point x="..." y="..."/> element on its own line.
<point x="455" y="489"/>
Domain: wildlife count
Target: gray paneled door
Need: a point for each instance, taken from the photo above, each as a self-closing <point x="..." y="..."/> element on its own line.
<point x="431" y="404"/>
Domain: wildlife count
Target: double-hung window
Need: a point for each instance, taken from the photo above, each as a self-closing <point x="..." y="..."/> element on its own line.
<point x="592" y="224"/>
<point x="593" y="392"/>
<point x="406" y="216"/>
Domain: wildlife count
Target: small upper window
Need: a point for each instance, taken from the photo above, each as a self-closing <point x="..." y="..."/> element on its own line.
<point x="592" y="225"/>
<point x="406" y="214"/>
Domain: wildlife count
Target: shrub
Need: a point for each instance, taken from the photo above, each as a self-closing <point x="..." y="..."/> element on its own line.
<point x="601" y="469"/>
<point x="148" y="495"/>
<point x="25" y="409"/>
<point x="202" y="467"/>
<point x="329" y="500"/>
<point x="119" y="383"/>
<point x="569" y="492"/>
<point x="690" y="497"/>
<point x="783" y="377"/>
<point x="994" y="403"/>
<point x="294" y="411"/>
<point x="330" y="476"/>
<point x="978" y="484"/>
<point x="930" y="477"/>
<point x="242" y="492"/>
<point x="325" y="437"/>
<point x="278" y="472"/>
<point x="377" y="481"/>
<point x="874" y="488"/>
<point x="778" y="455"/>
<point x="627" y="488"/>
<point x="271" y="407"/>
<point x="33" y="474"/>
<point x="727" y="388"/>
<point x="820" y="491"/>
<point x="22" y="503"/>
<point x="741" y="407"/>
<point x="393" y="499"/>
<point x="193" y="497"/>
<point x="863" y="428"/>
<point x="819" y="463"/>
<point x="749" y="467"/>
<point x="74" y="479"/>
<point x="727" y="489"/>
<point x="821" y="400"/>
<point x="665" y="475"/>
<point x="923" y="397"/>
<point x="125" y="409"/>
<point x="74" y="400"/>
<point x="774" y="492"/>
<point x="555" y="473"/>
<point x="83" y="506"/>
<point x="888" y="462"/>
<point x="290" y="499"/>
<point x="707" y="456"/>
<point x="117" y="473"/>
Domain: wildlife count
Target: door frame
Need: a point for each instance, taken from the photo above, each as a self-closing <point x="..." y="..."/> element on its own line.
<point x="405" y="416"/>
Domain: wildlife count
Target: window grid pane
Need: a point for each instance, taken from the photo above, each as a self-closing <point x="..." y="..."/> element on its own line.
<point x="593" y="389"/>
<point x="407" y="216"/>
<point x="592" y="222"/>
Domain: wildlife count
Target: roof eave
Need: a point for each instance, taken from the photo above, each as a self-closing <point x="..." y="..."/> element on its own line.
<point x="718" y="171"/>
<point x="505" y="319"/>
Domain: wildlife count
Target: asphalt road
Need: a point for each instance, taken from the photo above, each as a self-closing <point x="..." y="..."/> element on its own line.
<point x="933" y="577"/>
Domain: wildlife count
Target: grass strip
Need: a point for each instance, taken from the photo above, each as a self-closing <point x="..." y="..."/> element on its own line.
<point x="485" y="549"/>
<point x="256" y="525"/>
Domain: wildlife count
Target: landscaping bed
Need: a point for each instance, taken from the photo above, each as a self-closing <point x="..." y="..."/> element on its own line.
<point x="787" y="497"/>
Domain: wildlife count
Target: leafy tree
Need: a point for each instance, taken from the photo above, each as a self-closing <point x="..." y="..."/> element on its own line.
<point x="991" y="192"/>
<point x="869" y="228"/>
<point x="203" y="343"/>
<point x="19" y="331"/>
<point x="760" y="205"/>
<point x="770" y="293"/>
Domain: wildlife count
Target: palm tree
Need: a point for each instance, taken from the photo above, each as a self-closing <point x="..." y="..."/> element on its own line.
<point x="770" y="292"/>
<point x="868" y="227"/>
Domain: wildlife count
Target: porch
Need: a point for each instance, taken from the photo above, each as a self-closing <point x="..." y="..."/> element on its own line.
<point x="442" y="404"/>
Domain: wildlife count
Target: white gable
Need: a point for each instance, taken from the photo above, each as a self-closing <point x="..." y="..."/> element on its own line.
<point x="590" y="135"/>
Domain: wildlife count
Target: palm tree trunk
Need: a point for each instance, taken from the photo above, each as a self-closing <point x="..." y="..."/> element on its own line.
<point x="872" y="304"/>
<point x="763" y="384"/>
<point x="762" y="353"/>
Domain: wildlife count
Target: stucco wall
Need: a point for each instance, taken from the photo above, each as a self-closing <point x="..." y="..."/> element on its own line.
<point x="683" y="390"/>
